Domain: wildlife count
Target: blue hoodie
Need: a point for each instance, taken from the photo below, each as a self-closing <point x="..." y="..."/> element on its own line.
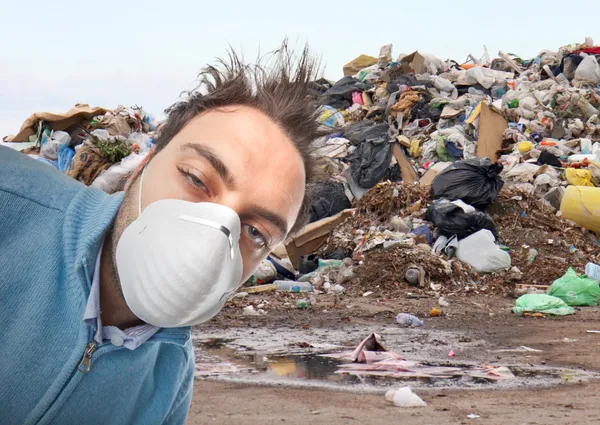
<point x="51" y="228"/>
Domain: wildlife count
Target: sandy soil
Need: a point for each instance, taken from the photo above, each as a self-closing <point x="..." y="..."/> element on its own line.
<point x="563" y="341"/>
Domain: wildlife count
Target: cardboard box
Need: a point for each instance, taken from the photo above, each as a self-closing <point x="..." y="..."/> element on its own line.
<point x="491" y="129"/>
<point x="313" y="236"/>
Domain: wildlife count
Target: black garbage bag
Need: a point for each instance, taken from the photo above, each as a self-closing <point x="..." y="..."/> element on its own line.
<point x="328" y="199"/>
<point x="340" y="94"/>
<point x="549" y="158"/>
<point x="450" y="219"/>
<point x="568" y="65"/>
<point x="474" y="181"/>
<point x="393" y="174"/>
<point x="369" y="163"/>
<point x="366" y="131"/>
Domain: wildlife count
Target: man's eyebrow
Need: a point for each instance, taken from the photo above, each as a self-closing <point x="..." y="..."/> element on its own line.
<point x="210" y="155"/>
<point x="275" y="219"/>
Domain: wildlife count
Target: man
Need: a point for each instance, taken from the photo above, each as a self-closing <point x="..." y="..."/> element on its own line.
<point x="98" y="293"/>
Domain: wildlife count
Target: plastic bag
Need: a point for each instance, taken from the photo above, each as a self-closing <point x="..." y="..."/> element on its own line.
<point x="340" y="94"/>
<point x="522" y="173"/>
<point x="576" y="290"/>
<point x="579" y="177"/>
<point x="109" y="179"/>
<point x="65" y="156"/>
<point x="330" y="117"/>
<point x="366" y="131"/>
<point x="265" y="272"/>
<point x="50" y="145"/>
<point x="451" y="218"/>
<point x="369" y="163"/>
<point x="328" y="198"/>
<point x="474" y="181"/>
<point x="481" y="253"/>
<point x="542" y="303"/>
<point x="588" y="72"/>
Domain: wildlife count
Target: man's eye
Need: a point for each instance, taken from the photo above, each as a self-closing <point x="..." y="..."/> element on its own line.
<point x="194" y="180"/>
<point x="255" y="236"/>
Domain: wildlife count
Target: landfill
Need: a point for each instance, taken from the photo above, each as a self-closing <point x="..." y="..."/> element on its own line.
<point x="436" y="177"/>
<point x="453" y="178"/>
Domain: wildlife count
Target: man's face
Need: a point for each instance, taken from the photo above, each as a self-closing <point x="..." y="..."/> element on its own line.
<point x="239" y="158"/>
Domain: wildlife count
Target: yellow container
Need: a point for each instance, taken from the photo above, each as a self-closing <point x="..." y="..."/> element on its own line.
<point x="581" y="204"/>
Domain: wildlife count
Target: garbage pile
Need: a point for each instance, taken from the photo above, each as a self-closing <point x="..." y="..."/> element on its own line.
<point x="410" y="118"/>
<point x="96" y="146"/>
<point x="465" y="178"/>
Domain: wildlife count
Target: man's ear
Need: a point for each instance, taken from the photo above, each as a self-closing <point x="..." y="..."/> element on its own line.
<point x="139" y="168"/>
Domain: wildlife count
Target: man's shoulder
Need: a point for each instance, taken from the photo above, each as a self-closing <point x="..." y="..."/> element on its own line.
<point x="42" y="184"/>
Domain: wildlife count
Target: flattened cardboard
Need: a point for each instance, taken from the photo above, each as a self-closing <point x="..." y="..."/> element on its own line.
<point x="312" y="236"/>
<point x="491" y="129"/>
<point x="409" y="174"/>
<point x="75" y="115"/>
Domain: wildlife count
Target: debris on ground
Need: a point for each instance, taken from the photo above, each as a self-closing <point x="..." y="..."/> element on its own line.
<point x="404" y="397"/>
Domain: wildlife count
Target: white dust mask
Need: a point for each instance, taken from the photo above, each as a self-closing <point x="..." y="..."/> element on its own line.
<point x="179" y="261"/>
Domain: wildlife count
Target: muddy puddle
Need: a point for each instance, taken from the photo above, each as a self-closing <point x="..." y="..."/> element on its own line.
<point x="299" y="359"/>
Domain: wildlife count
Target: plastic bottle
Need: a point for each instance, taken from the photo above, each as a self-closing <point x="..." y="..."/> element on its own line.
<point x="532" y="255"/>
<point x="593" y="271"/>
<point x="292" y="286"/>
<point x="586" y="146"/>
<point x="408" y="320"/>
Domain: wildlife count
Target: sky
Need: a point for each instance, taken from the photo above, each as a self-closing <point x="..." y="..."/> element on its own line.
<point x="57" y="54"/>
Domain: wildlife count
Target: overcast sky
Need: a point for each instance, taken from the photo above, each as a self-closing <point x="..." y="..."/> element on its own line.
<point x="56" y="54"/>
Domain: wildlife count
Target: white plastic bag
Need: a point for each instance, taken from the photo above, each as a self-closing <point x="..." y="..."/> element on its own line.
<point x="521" y="173"/>
<point x="480" y="252"/>
<point x="108" y="180"/>
<point x="588" y="72"/>
<point x="265" y="272"/>
<point x="404" y="397"/>
<point x="49" y="149"/>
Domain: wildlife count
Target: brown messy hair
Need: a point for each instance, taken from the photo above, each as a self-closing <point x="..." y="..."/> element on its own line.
<point x="278" y="85"/>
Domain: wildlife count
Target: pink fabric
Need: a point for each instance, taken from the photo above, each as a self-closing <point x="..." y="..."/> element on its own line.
<point x="357" y="98"/>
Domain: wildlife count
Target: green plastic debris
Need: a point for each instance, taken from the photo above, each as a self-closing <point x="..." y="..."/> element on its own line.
<point x="442" y="153"/>
<point x="302" y="304"/>
<point x="576" y="290"/>
<point x="542" y="303"/>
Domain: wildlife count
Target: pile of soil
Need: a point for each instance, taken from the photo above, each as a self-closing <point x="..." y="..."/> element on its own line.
<point x="523" y="223"/>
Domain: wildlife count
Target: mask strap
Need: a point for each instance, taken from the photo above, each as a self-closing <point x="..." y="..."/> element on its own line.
<point x="140" y="194"/>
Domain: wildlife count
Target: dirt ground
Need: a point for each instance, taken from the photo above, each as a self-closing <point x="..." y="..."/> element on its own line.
<point x="480" y="309"/>
<point x="563" y="341"/>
